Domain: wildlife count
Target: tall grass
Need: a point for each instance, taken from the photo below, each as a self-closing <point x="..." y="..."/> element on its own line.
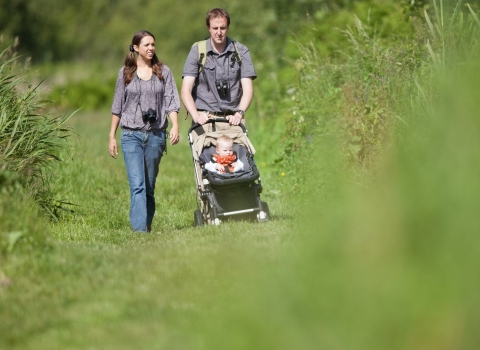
<point x="30" y="139"/>
<point x="30" y="142"/>
<point x="356" y="100"/>
<point x="385" y="265"/>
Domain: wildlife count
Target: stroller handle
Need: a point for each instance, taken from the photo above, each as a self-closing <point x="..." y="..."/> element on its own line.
<point x="211" y="121"/>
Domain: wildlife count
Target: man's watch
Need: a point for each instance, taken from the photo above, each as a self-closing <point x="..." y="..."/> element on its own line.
<point x="241" y="111"/>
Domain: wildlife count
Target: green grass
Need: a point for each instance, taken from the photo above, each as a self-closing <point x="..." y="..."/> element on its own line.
<point x="102" y="286"/>
<point x="386" y="260"/>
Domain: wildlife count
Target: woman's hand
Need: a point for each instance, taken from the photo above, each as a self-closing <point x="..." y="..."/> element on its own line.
<point x="174" y="136"/>
<point x="112" y="148"/>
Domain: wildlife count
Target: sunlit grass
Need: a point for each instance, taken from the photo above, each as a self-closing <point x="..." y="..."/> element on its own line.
<point x="100" y="277"/>
<point x="387" y="262"/>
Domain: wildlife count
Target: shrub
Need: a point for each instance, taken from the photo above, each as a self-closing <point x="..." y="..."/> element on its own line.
<point x="89" y="94"/>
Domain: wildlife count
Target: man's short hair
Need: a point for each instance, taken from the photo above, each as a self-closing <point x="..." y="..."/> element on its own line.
<point x="216" y="13"/>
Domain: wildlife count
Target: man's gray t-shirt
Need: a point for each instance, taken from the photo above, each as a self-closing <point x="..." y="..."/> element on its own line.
<point x="219" y="68"/>
<point x="140" y="95"/>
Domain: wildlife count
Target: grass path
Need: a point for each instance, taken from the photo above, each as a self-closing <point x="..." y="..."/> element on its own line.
<point x="102" y="286"/>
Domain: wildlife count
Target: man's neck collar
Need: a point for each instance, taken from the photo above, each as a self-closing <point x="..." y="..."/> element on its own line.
<point x="221" y="49"/>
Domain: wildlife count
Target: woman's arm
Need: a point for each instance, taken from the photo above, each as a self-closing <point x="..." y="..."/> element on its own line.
<point x="112" y="143"/>
<point x="174" y="135"/>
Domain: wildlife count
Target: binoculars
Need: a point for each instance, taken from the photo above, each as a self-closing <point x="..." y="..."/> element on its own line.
<point x="222" y="88"/>
<point x="149" y="116"/>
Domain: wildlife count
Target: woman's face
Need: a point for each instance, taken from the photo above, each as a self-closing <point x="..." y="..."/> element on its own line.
<point x="146" y="48"/>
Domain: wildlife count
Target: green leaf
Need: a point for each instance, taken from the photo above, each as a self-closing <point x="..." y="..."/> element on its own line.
<point x="13" y="238"/>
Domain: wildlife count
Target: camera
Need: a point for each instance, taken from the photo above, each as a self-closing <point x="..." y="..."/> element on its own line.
<point x="150" y="116"/>
<point x="222" y="88"/>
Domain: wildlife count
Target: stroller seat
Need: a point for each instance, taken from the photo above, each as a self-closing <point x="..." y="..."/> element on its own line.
<point x="248" y="174"/>
<point x="224" y="196"/>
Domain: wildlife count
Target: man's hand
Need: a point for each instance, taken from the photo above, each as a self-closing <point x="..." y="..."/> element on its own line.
<point x="234" y="119"/>
<point x="202" y="118"/>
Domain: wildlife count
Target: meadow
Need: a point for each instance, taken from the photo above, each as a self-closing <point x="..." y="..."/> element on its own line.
<point x="99" y="277"/>
<point x="370" y="168"/>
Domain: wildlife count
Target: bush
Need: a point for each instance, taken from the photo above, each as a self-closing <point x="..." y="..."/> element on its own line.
<point x="89" y="94"/>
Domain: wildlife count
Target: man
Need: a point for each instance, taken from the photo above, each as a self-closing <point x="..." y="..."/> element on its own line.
<point x="222" y="84"/>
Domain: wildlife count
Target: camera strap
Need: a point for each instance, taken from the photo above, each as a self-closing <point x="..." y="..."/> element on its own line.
<point x="139" y="91"/>
<point x="202" y="54"/>
<point x="202" y="59"/>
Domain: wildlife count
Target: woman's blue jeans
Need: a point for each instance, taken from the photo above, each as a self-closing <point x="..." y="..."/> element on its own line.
<point x="142" y="152"/>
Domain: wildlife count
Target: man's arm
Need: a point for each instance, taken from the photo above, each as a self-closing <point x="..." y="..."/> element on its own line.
<point x="186" y="94"/>
<point x="247" y="97"/>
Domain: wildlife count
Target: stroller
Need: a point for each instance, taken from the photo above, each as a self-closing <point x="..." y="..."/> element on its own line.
<point x="224" y="196"/>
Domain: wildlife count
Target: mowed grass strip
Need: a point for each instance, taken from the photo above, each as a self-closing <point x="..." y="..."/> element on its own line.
<point x="102" y="286"/>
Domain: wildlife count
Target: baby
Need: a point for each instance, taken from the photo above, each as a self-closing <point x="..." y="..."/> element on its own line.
<point x="225" y="160"/>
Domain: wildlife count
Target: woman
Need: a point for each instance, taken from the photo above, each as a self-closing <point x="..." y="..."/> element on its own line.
<point x="145" y="94"/>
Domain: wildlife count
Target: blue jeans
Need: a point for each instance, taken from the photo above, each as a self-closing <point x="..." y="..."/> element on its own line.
<point x="142" y="152"/>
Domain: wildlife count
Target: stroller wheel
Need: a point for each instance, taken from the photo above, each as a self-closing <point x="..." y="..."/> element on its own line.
<point x="198" y="218"/>
<point x="266" y="209"/>
<point x="264" y="214"/>
<point x="213" y="217"/>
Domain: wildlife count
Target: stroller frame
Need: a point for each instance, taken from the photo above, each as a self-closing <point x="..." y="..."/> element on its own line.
<point x="214" y="191"/>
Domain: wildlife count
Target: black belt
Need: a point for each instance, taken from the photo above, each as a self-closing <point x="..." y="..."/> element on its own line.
<point x="219" y="114"/>
<point x="144" y="130"/>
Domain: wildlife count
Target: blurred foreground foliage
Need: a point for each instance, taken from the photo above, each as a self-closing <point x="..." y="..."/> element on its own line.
<point x="384" y="186"/>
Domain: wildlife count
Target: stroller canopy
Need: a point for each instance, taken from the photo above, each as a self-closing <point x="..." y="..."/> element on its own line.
<point x="210" y="138"/>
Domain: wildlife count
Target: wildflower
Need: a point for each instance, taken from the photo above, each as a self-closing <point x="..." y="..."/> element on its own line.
<point x="283" y="174"/>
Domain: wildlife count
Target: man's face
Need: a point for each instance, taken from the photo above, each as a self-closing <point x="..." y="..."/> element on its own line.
<point x="218" y="30"/>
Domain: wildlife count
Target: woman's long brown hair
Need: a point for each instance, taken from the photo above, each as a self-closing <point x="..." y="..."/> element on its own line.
<point x="131" y="62"/>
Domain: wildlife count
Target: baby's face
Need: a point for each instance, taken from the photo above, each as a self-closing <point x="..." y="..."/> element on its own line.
<point x="224" y="149"/>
